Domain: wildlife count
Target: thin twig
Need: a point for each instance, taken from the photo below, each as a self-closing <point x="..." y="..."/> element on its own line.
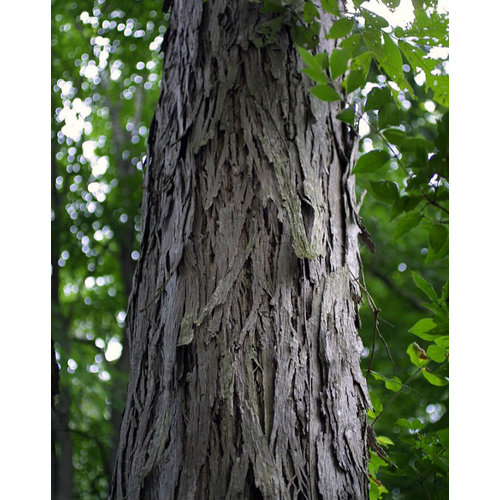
<point x="403" y="386"/>
<point x="376" y="330"/>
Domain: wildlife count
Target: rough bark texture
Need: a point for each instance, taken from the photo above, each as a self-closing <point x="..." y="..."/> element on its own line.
<point x="245" y="379"/>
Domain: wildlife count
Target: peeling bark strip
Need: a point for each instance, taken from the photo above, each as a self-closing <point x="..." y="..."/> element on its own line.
<point x="245" y="379"/>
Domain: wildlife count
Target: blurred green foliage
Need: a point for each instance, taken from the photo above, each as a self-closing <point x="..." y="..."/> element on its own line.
<point x="106" y="73"/>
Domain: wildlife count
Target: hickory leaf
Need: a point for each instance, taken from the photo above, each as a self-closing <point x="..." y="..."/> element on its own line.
<point x="340" y="28"/>
<point x="371" y="161"/>
<point x="325" y="93"/>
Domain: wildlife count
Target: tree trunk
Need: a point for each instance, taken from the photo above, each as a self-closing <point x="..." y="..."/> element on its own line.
<point x="61" y="450"/>
<point x="245" y="378"/>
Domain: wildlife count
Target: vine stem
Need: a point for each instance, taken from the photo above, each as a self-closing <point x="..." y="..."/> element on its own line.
<point x="376" y="331"/>
<point x="395" y="395"/>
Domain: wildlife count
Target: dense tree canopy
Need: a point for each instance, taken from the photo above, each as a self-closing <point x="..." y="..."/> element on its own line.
<point x="393" y="84"/>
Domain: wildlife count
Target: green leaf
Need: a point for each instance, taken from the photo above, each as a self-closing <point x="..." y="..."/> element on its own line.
<point x="437" y="353"/>
<point x="395" y="136"/>
<point x="406" y="223"/>
<point x="413" y="144"/>
<point x="322" y="59"/>
<point x="354" y="44"/>
<point x="375" y="463"/>
<point x="355" y="80"/>
<point x="432" y="255"/>
<point x="442" y="341"/>
<point x="307" y="37"/>
<point x="405" y="204"/>
<point x="392" y="4"/>
<point x="310" y="12"/>
<point x="378" y="97"/>
<point x="374" y="492"/>
<point x="444" y="436"/>
<point x="268" y="30"/>
<point x="414" y="424"/>
<point x="331" y="6"/>
<point x="309" y="59"/>
<point x="325" y="93"/>
<point x="373" y="20"/>
<point x="371" y="161"/>
<point x="438" y="236"/>
<point x="445" y="291"/>
<point x="421" y="327"/>
<point x="399" y="32"/>
<point x="272" y="7"/>
<point x="392" y="384"/>
<point x="340" y="28"/>
<point x="386" y="191"/>
<point x="384" y="441"/>
<point x="434" y="379"/>
<point x="376" y="403"/>
<point x="391" y="61"/>
<point x="338" y="62"/>
<point x="373" y="40"/>
<point x="316" y="74"/>
<point x="417" y="355"/>
<point x="424" y="286"/>
<point x="347" y="116"/>
<point x="388" y="115"/>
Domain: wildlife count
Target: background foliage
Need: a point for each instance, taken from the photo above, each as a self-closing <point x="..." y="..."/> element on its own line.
<point x="392" y="82"/>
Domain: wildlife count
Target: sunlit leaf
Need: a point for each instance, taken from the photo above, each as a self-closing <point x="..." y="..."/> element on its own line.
<point x="373" y="20"/>
<point x="434" y="379"/>
<point x="385" y="441"/>
<point x="392" y="4"/>
<point x="417" y="355"/>
<point x="422" y="326"/>
<point x="414" y="424"/>
<point x="392" y="384"/>
<point x="437" y="353"/>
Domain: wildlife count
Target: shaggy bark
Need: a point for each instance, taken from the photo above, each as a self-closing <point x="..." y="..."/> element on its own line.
<point x="245" y="378"/>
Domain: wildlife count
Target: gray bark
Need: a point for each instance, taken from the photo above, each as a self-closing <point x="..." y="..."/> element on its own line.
<point x="245" y="378"/>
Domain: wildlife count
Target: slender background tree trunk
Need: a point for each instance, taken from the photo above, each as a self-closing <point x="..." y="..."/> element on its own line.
<point x="61" y="442"/>
<point x="245" y="378"/>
